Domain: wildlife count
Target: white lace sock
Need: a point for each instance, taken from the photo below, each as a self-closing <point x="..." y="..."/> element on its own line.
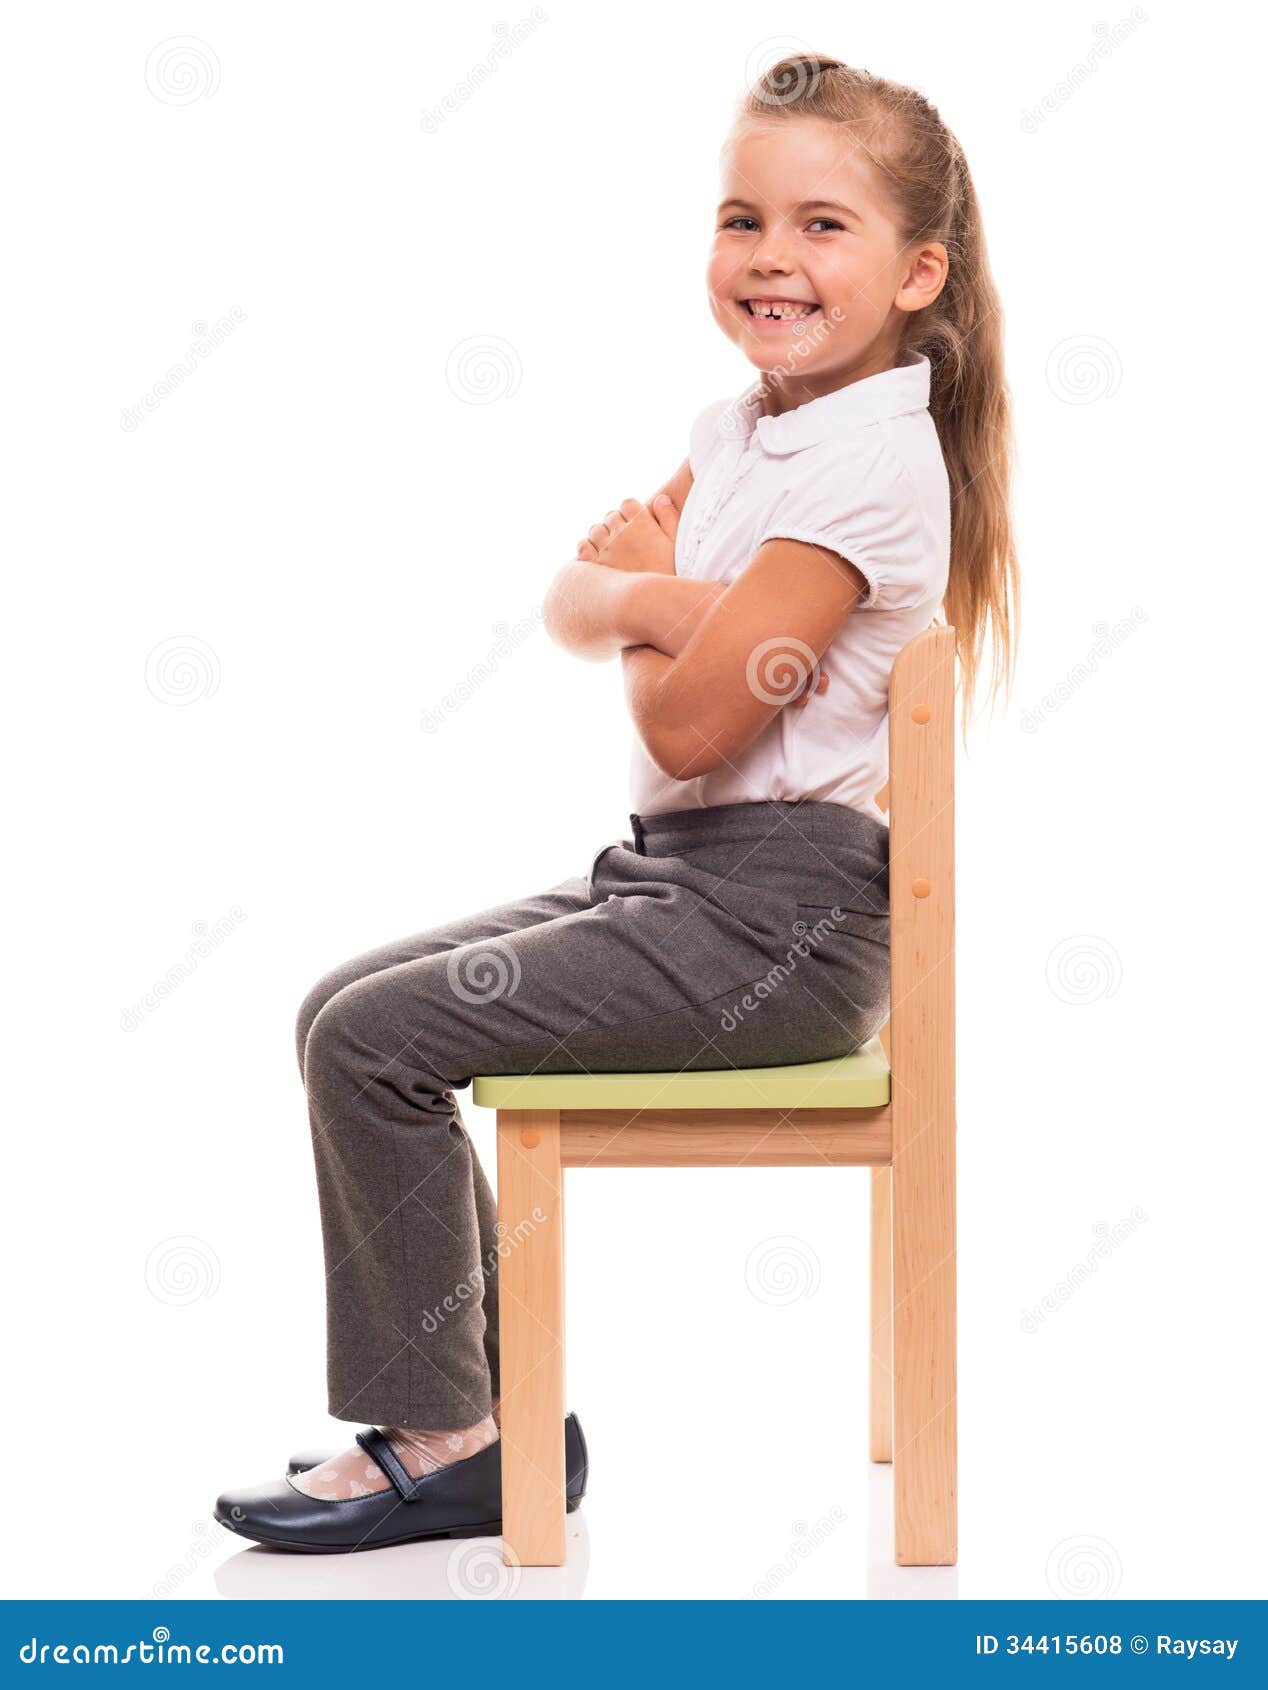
<point x="354" y="1473"/>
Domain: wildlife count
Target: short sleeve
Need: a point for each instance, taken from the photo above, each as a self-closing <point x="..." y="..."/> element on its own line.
<point x="865" y="506"/>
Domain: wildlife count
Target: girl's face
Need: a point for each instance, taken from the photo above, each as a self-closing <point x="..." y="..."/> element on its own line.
<point x="806" y="274"/>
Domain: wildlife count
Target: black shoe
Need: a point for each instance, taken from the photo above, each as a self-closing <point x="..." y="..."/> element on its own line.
<point x="461" y="1500"/>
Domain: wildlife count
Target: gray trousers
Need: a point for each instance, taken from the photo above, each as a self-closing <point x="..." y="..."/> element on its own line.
<point x="734" y="936"/>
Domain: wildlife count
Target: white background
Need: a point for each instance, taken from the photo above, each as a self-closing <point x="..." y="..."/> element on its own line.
<point x="336" y="522"/>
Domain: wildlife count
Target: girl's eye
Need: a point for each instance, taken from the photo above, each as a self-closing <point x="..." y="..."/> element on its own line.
<point x="750" y="223"/>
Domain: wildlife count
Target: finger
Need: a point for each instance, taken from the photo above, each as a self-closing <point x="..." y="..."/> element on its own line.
<point x="666" y="514"/>
<point x="630" y="508"/>
<point x="599" y="534"/>
<point x="587" y="553"/>
<point x="808" y="691"/>
<point x="615" y="521"/>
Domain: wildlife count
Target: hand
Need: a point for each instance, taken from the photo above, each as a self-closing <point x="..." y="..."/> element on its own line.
<point x="808" y="691"/>
<point x="636" y="537"/>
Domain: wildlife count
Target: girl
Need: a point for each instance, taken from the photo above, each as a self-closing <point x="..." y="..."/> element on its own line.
<point x="817" y="524"/>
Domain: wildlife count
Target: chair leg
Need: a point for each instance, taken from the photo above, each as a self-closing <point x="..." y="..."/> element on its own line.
<point x="924" y="1454"/>
<point x="531" y="1332"/>
<point x="881" y="1421"/>
<point x="922" y="1094"/>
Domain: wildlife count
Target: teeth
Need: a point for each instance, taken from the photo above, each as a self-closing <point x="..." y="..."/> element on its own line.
<point x="765" y="308"/>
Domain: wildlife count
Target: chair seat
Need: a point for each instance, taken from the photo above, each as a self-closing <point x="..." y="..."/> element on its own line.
<point x="859" y="1081"/>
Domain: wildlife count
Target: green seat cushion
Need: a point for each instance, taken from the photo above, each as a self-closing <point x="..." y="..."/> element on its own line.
<point x="860" y="1081"/>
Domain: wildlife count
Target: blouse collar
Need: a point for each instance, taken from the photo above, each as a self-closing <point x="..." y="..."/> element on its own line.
<point x="890" y="393"/>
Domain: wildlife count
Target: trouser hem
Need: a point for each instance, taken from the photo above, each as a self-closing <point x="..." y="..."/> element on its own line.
<point x="435" y="1415"/>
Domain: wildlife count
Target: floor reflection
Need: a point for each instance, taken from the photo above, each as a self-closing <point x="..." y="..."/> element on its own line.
<point x="472" y="1569"/>
<point x="887" y="1582"/>
<point x="449" y="1569"/>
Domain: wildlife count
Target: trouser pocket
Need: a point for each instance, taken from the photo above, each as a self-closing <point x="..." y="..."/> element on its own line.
<point x="705" y="932"/>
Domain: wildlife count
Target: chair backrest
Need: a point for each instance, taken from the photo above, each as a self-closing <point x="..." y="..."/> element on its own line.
<point x="920" y="1036"/>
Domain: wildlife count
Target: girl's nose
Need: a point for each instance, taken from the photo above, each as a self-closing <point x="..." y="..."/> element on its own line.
<point x="771" y="252"/>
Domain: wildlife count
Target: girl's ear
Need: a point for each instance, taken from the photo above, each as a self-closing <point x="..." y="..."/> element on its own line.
<point x="666" y="514"/>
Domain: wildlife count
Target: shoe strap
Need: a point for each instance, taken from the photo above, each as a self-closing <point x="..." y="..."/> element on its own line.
<point x="380" y="1449"/>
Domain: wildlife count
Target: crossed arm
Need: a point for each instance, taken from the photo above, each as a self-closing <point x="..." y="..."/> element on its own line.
<point x="706" y="666"/>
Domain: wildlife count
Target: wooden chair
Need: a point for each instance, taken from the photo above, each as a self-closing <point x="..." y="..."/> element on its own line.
<point x="889" y="1107"/>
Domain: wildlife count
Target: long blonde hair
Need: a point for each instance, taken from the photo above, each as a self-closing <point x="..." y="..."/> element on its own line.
<point x="924" y="178"/>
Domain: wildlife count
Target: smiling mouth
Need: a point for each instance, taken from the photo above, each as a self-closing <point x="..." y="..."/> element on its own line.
<point x="780" y="310"/>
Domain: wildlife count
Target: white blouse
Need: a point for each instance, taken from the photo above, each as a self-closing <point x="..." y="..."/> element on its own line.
<point x="860" y="472"/>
